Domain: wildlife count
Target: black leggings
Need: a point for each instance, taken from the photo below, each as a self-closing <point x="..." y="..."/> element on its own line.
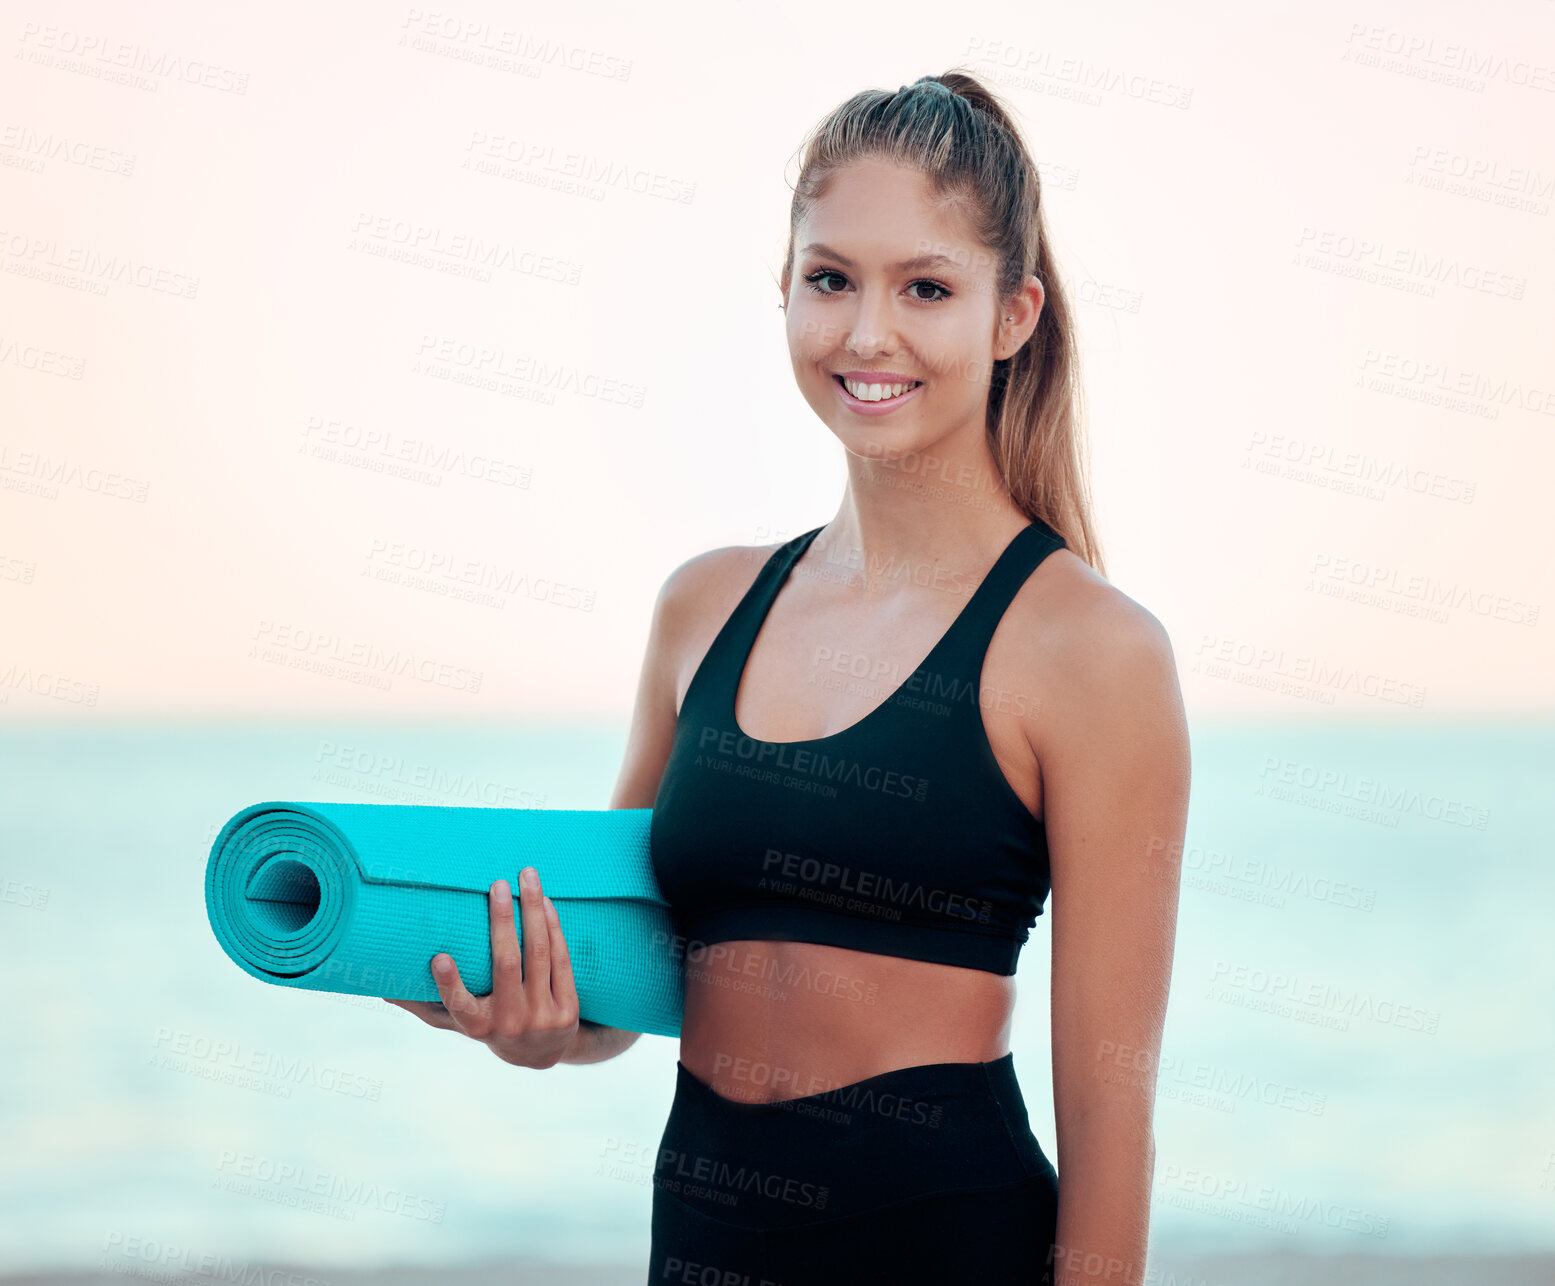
<point x="922" y="1174"/>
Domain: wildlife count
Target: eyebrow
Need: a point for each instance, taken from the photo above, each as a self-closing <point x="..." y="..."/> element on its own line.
<point x="906" y="265"/>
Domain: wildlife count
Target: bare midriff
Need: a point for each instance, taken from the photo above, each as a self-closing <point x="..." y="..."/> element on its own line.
<point x="766" y="1021"/>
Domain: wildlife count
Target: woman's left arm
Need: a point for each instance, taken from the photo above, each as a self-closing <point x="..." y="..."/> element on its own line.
<point x="1115" y="767"/>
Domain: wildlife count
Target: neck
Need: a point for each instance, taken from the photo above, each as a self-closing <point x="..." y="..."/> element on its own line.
<point x="905" y="541"/>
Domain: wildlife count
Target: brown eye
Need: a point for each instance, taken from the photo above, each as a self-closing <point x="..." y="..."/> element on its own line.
<point x="932" y="285"/>
<point x="821" y="276"/>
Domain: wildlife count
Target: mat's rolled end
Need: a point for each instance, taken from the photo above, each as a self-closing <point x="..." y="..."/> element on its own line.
<point x="280" y="889"/>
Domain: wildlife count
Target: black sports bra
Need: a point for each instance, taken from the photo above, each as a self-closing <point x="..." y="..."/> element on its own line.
<point x="898" y="835"/>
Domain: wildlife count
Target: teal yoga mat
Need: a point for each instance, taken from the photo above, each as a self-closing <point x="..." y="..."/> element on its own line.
<point x="358" y="898"/>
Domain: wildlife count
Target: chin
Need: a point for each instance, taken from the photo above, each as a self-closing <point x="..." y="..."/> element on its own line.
<point x="883" y="442"/>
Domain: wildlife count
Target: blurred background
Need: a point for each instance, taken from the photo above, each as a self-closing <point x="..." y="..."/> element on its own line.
<point x="365" y="371"/>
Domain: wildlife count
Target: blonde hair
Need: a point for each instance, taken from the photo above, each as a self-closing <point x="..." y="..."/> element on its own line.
<point x="962" y="138"/>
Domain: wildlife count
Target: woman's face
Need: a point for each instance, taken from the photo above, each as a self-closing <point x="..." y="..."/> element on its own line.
<point x="891" y="287"/>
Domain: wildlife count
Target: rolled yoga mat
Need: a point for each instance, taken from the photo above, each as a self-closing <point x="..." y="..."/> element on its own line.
<point x="358" y="898"/>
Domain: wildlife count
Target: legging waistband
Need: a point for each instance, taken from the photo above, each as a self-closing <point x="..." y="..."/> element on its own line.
<point x="888" y="1137"/>
<point x="996" y="1077"/>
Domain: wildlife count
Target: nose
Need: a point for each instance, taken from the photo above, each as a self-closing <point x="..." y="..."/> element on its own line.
<point x="872" y="322"/>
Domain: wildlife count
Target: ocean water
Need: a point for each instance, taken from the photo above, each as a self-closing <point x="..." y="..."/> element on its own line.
<point x="1359" y="1053"/>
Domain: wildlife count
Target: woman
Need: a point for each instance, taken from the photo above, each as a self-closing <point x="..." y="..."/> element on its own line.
<point x="853" y="867"/>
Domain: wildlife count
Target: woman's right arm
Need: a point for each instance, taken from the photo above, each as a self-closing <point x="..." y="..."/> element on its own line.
<point x="530" y="1017"/>
<point x="637" y="785"/>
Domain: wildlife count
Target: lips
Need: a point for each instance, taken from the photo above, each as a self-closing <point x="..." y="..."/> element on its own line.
<point x="883" y="406"/>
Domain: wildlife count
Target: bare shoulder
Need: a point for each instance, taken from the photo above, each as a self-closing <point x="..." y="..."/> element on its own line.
<point x="1097" y="628"/>
<point x="690" y="608"/>
<point x="1095" y="655"/>
<point x="717" y="578"/>
<point x="699" y="596"/>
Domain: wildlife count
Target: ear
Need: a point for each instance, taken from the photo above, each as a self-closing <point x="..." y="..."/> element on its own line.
<point x="1019" y="318"/>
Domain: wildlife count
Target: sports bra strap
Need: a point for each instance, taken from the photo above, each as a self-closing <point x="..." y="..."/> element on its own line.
<point x="960" y="652"/>
<point x="954" y="662"/>
<point x="725" y="657"/>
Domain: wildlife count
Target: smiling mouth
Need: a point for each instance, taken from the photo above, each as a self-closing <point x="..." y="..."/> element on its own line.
<point x="877" y="392"/>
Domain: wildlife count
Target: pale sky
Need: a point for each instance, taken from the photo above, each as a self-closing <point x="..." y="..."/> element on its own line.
<point x="1318" y="353"/>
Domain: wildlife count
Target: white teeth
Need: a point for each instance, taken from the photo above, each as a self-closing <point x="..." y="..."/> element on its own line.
<point x="877" y="392"/>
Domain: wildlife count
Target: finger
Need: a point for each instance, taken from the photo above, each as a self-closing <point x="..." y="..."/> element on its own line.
<point x="537" y="939"/>
<point x="509" y="1005"/>
<point x="563" y="989"/>
<point x="469" y="1014"/>
<point x="429" y="1011"/>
